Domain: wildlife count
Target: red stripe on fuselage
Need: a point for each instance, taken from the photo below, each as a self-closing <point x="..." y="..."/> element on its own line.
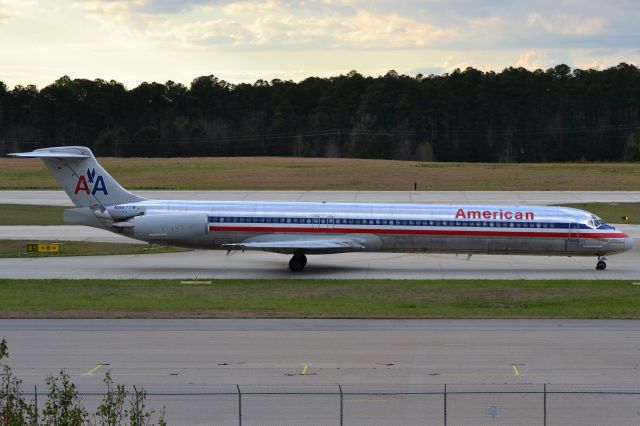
<point x="533" y="234"/>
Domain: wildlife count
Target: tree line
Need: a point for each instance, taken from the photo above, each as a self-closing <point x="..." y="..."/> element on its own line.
<point x="516" y="115"/>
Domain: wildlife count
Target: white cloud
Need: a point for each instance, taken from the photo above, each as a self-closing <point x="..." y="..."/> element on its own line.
<point x="136" y="40"/>
<point x="566" y="24"/>
<point x="199" y="34"/>
<point x="367" y="29"/>
<point x="533" y="59"/>
<point x="10" y="9"/>
<point x="112" y="7"/>
<point x="252" y="7"/>
<point x="596" y="64"/>
<point x="363" y="30"/>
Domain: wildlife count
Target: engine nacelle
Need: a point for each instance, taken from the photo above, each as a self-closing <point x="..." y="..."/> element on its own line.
<point x="167" y="227"/>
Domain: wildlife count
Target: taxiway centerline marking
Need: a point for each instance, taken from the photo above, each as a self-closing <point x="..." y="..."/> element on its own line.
<point x="93" y="370"/>
<point x="515" y="369"/>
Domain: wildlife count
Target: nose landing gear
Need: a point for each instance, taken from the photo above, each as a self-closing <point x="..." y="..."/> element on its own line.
<point x="298" y="262"/>
<point x="602" y="264"/>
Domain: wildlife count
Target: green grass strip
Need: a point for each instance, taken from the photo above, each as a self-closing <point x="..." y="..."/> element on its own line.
<point x="27" y="214"/>
<point x="319" y="299"/>
<point x="291" y="173"/>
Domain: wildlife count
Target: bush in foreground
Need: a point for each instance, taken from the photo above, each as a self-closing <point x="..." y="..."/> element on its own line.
<point x="64" y="406"/>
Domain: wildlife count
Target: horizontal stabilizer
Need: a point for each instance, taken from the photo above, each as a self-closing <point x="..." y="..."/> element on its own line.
<point x="36" y="154"/>
<point x="55" y="152"/>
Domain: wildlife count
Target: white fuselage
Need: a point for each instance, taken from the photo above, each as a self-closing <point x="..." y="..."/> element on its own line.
<point x="319" y="228"/>
<point x="390" y="227"/>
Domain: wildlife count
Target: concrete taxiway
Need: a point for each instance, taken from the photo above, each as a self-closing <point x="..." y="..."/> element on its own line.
<point x="203" y="354"/>
<point x="216" y="265"/>
<point x="195" y="368"/>
<point x="59" y="198"/>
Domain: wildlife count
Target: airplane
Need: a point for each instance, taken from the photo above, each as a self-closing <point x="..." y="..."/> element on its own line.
<point x="311" y="228"/>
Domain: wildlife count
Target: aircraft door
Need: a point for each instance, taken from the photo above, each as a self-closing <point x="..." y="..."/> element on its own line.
<point x="330" y="222"/>
<point x="323" y="222"/>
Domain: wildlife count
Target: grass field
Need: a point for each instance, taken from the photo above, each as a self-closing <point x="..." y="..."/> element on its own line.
<point x="255" y="173"/>
<point x="18" y="248"/>
<point x="319" y="299"/>
<point x="25" y="214"/>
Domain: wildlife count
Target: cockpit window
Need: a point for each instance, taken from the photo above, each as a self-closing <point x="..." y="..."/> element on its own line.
<point x="596" y="222"/>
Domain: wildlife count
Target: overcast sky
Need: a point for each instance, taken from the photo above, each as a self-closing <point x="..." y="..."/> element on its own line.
<point x="242" y="41"/>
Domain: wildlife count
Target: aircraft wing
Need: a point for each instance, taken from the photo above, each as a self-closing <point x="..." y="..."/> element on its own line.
<point x="310" y="244"/>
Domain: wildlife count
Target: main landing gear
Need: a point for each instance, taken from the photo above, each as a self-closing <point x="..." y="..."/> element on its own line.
<point x="602" y="264"/>
<point x="298" y="262"/>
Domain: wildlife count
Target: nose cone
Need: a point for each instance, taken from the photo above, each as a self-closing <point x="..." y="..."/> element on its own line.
<point x="628" y="243"/>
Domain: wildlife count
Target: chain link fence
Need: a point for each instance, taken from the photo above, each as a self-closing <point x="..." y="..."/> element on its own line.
<point x="439" y="405"/>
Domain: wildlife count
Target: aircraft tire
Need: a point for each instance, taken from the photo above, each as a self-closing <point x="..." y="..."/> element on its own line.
<point x="298" y="262"/>
<point x="601" y="265"/>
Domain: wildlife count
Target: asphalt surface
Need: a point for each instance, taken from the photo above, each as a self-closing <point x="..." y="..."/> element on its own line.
<point x="270" y="359"/>
<point x="59" y="198"/>
<point x="216" y="265"/>
<point x="206" y="354"/>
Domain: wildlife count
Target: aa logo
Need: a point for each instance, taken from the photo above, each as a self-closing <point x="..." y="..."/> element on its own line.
<point x="91" y="184"/>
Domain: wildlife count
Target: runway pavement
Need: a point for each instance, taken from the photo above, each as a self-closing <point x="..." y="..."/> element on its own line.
<point x="204" y="354"/>
<point x="59" y="198"/>
<point x="288" y="370"/>
<point x="183" y="362"/>
<point x="216" y="265"/>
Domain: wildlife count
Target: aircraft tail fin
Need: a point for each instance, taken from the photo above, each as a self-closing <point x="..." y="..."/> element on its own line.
<point x="82" y="177"/>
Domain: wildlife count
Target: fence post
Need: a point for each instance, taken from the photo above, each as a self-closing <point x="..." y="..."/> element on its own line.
<point x="545" y="403"/>
<point x="341" y="407"/>
<point x="35" y="399"/>
<point x="445" y="404"/>
<point x="239" y="406"/>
